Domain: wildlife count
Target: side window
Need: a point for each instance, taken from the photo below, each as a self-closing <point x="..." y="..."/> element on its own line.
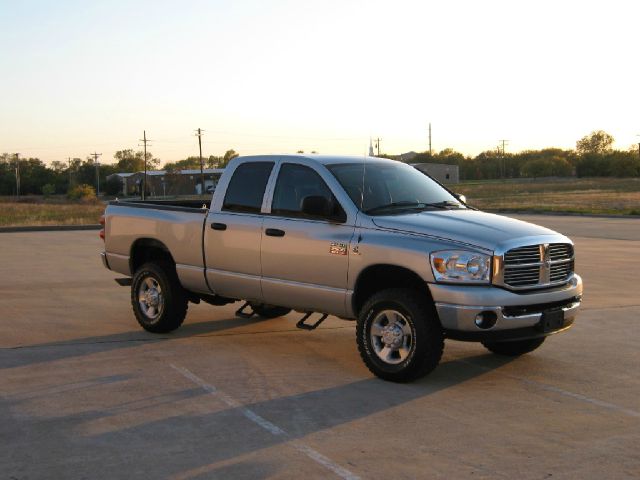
<point x="295" y="182"/>
<point x="246" y="188"/>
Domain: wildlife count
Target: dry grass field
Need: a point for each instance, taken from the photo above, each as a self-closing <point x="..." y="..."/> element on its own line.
<point x="613" y="196"/>
<point x="49" y="213"/>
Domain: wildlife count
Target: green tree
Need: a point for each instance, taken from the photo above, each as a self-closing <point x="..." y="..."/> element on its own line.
<point x="128" y="161"/>
<point x="186" y="164"/>
<point x="597" y="142"/>
<point x="83" y="192"/>
<point x="228" y="156"/>
<point x="48" y="189"/>
<point x="213" y="161"/>
<point x="546" y="167"/>
<point x="113" y="186"/>
<point x="624" y="164"/>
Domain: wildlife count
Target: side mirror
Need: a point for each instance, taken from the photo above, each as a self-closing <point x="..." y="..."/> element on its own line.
<point x="320" y="207"/>
<point x="460" y="197"/>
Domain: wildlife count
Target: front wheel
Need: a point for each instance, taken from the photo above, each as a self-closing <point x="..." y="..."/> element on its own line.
<point x="399" y="336"/>
<point x="514" y="348"/>
<point x="159" y="302"/>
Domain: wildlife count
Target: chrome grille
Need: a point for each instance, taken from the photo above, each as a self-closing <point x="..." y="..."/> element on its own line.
<point x="522" y="255"/>
<point x="535" y="266"/>
<point x="560" y="271"/>
<point x="560" y="251"/>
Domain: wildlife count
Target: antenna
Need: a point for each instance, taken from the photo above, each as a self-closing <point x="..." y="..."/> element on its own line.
<point x="364" y="170"/>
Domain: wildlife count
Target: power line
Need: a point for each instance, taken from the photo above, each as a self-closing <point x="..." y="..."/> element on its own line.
<point x="95" y="161"/>
<point x="144" y="179"/>
<point x="504" y="163"/>
<point x="199" y="135"/>
<point x="18" y="176"/>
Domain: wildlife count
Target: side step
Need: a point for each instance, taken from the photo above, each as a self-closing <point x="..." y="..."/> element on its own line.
<point x="313" y="326"/>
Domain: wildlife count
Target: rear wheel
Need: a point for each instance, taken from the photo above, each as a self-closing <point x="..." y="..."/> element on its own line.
<point x="399" y="336"/>
<point x="514" y="348"/>
<point x="159" y="302"/>
<point x="269" y="311"/>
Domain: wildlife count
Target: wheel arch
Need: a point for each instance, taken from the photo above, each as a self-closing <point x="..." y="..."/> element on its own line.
<point x="146" y="250"/>
<point x="380" y="277"/>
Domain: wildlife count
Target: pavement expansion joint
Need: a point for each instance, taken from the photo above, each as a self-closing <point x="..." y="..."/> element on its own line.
<point x="267" y="425"/>
<point x="561" y="391"/>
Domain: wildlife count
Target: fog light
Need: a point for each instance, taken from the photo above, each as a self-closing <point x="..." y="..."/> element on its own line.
<point x="485" y="320"/>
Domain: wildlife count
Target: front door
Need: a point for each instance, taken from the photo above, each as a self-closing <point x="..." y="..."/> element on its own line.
<point x="305" y="259"/>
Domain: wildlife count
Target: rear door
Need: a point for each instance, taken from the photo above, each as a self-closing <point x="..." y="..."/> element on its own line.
<point x="305" y="259"/>
<point x="232" y="234"/>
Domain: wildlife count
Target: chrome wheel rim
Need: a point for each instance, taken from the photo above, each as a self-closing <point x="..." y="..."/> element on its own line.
<point x="150" y="298"/>
<point x="391" y="336"/>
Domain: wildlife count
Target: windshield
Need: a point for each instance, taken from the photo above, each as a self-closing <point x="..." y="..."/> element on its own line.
<point x="391" y="187"/>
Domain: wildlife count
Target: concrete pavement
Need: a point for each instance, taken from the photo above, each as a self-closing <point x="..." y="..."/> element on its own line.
<point x="85" y="393"/>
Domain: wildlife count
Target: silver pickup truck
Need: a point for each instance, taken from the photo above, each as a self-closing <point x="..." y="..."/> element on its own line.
<point x="363" y="239"/>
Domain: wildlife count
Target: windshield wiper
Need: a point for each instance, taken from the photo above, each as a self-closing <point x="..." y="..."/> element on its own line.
<point x="397" y="205"/>
<point x="444" y="204"/>
<point x="411" y="206"/>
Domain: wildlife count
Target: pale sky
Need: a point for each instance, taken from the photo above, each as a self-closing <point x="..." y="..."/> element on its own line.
<point x="278" y="76"/>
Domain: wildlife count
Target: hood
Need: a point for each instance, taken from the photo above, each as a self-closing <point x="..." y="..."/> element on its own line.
<point x="473" y="227"/>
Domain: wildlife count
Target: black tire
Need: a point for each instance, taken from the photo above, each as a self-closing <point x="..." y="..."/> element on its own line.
<point x="415" y="326"/>
<point x="269" y="311"/>
<point x="514" y="348"/>
<point x="158" y="282"/>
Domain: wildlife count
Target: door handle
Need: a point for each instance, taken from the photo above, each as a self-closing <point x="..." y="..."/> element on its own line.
<point x="274" y="232"/>
<point x="218" y="226"/>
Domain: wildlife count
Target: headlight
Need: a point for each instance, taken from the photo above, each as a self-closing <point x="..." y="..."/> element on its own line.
<point x="461" y="266"/>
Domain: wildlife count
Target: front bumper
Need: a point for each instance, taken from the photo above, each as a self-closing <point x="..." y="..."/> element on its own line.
<point x="517" y="315"/>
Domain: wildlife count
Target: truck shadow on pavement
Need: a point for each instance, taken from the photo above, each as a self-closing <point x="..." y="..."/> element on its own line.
<point x="11" y="357"/>
<point x="213" y="439"/>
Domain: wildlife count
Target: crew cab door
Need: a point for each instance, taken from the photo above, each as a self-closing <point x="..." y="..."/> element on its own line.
<point x="233" y="231"/>
<point x="305" y="259"/>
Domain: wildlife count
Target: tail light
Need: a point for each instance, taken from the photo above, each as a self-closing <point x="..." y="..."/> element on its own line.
<point x="102" y="229"/>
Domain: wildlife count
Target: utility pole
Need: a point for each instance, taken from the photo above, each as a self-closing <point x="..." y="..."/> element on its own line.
<point x="378" y="145"/>
<point x="95" y="161"/>
<point x="18" y="176"/>
<point x="504" y="161"/>
<point x="199" y="135"/>
<point x="144" y="179"/>
<point x="429" y="138"/>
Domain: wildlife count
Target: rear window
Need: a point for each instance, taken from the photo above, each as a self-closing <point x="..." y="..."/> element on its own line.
<point x="246" y="188"/>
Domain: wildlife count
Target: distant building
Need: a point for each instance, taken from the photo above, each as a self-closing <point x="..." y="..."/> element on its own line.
<point x="407" y="157"/>
<point x="440" y="171"/>
<point x="161" y="183"/>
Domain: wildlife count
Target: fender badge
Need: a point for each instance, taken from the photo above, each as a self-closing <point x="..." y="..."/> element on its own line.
<point x="338" y="248"/>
